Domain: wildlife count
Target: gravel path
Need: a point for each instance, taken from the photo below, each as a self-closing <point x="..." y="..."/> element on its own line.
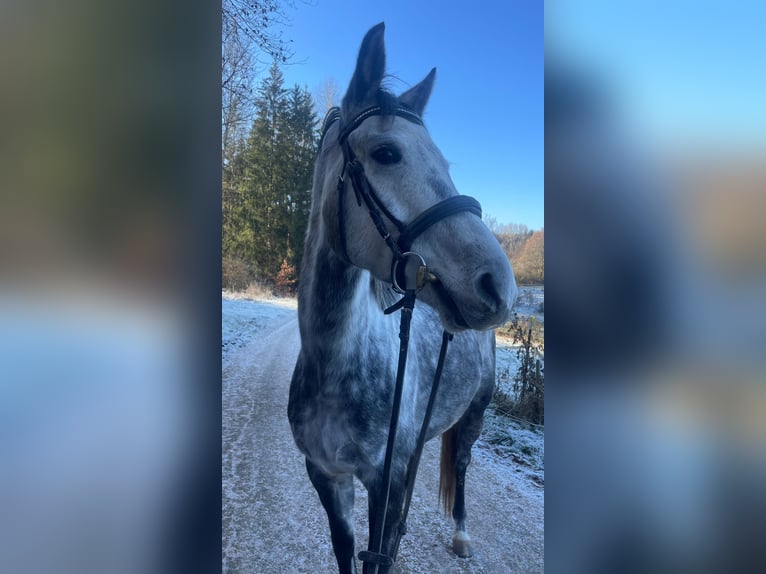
<point x="273" y="522"/>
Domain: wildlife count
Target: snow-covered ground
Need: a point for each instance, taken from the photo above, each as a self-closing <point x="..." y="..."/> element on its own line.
<point x="530" y="301"/>
<point x="242" y="319"/>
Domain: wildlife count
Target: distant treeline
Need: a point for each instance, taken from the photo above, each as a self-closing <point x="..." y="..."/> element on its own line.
<point x="525" y="249"/>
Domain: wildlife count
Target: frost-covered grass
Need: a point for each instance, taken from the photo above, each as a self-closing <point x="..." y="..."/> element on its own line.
<point x="519" y="447"/>
<point x="513" y="442"/>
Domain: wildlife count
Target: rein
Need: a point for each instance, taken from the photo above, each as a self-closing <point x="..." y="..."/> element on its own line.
<point x="405" y="282"/>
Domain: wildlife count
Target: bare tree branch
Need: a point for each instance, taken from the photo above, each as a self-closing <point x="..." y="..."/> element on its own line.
<point x="251" y="40"/>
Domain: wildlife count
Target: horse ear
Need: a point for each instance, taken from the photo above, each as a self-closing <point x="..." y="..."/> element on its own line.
<point x="370" y="66"/>
<point x="417" y="96"/>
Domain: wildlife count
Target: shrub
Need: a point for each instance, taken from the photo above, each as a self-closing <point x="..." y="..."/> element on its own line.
<point x="527" y="401"/>
<point x="257" y="290"/>
<point x="236" y="274"/>
<point x="285" y="282"/>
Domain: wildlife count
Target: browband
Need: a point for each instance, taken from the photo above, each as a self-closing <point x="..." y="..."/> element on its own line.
<point x="401" y="111"/>
<point x="333" y="115"/>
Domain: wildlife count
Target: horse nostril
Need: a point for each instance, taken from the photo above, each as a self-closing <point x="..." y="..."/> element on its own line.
<point x="487" y="290"/>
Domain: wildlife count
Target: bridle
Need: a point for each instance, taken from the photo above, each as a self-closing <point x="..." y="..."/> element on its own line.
<point x="403" y="282"/>
<point x="407" y="233"/>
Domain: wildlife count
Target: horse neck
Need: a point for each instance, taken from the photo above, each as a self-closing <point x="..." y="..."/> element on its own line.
<point x="339" y="305"/>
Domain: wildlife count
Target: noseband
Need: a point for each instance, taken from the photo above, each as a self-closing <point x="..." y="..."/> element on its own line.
<point x="407" y="285"/>
<point x="407" y="233"/>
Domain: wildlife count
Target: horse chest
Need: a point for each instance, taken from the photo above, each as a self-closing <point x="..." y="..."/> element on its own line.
<point x="326" y="440"/>
<point x="342" y="425"/>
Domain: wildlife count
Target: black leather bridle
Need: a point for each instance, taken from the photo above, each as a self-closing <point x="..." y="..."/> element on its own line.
<point x="407" y="233"/>
<point x="404" y="283"/>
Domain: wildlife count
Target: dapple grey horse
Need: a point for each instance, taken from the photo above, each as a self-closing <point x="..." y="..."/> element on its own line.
<point x="342" y="387"/>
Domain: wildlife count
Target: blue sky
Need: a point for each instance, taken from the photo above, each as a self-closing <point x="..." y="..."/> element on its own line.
<point x="486" y="110"/>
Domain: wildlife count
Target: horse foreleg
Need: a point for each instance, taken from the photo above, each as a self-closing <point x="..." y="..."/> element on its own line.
<point x="393" y="522"/>
<point x="466" y="433"/>
<point x="455" y="458"/>
<point x="337" y="496"/>
<point x="461" y="542"/>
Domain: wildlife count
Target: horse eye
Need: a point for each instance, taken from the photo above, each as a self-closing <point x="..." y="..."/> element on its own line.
<point x="387" y="154"/>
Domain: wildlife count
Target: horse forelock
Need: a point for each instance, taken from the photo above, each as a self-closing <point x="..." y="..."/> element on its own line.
<point x="387" y="101"/>
<point x="383" y="98"/>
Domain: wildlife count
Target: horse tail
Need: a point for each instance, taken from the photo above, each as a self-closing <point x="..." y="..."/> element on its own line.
<point x="447" y="478"/>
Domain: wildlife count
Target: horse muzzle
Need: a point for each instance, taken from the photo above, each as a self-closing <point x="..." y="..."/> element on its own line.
<point x="482" y="302"/>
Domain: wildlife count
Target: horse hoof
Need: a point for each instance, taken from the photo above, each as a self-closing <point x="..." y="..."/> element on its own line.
<point x="461" y="545"/>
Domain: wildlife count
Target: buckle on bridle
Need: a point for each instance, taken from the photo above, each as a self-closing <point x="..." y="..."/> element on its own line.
<point x="375" y="558"/>
<point x="420" y="277"/>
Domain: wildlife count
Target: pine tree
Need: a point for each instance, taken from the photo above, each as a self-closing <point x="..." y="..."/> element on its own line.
<point x="267" y="183"/>
<point x="262" y="175"/>
<point x="303" y="138"/>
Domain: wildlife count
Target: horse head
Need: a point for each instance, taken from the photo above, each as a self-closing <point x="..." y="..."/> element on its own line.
<point x="471" y="282"/>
